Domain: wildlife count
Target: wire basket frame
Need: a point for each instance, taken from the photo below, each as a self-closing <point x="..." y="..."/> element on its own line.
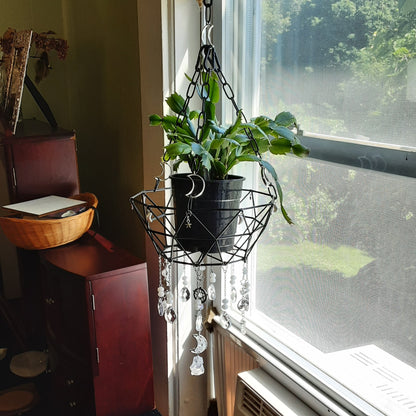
<point x="252" y="217"/>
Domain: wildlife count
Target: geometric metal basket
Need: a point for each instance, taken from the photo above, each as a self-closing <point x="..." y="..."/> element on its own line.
<point x="159" y="222"/>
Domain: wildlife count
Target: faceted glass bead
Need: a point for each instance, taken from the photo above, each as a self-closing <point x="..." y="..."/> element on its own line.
<point x="243" y="305"/>
<point x="185" y="294"/>
<point x="170" y="315"/>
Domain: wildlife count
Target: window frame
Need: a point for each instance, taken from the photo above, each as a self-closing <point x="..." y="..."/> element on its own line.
<point x="306" y="380"/>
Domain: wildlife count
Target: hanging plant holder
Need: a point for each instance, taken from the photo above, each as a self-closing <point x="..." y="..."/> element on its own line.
<point x="208" y="217"/>
<point x="205" y="221"/>
<point x="221" y="236"/>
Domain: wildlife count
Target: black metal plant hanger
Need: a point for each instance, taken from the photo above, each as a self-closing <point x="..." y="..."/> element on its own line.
<point x="247" y="222"/>
<point x="255" y="206"/>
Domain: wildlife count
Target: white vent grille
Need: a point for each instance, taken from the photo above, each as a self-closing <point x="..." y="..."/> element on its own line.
<point x="253" y="405"/>
<point x="258" y="394"/>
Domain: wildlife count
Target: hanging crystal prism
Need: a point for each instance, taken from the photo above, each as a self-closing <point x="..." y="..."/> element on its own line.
<point x="197" y="366"/>
<point x="212" y="295"/>
<point x="185" y="294"/>
<point x="160" y="292"/>
<point x="200" y="296"/>
<point x="164" y="293"/>
<point x="243" y="304"/>
<point x="198" y="320"/>
<point x="170" y="314"/>
<point x="233" y="292"/>
<point x="224" y="318"/>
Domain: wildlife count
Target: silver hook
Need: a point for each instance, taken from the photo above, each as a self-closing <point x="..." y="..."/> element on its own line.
<point x="206" y="35"/>
<point x="160" y="177"/>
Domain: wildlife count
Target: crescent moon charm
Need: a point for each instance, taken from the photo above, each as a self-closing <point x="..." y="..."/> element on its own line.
<point x="189" y="194"/>
<point x="202" y="344"/>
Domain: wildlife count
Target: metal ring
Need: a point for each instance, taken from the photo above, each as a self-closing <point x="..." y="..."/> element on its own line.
<point x="189" y="194"/>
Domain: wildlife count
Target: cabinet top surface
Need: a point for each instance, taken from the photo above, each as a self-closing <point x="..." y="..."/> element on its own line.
<point x="91" y="256"/>
<point x="27" y="129"/>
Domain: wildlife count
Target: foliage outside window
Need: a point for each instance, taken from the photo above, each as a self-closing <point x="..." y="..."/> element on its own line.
<point x="341" y="283"/>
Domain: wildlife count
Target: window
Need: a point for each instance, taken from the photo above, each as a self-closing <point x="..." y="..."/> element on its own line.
<point x="339" y="288"/>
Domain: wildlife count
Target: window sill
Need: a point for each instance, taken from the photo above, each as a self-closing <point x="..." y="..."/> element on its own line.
<point x="313" y="386"/>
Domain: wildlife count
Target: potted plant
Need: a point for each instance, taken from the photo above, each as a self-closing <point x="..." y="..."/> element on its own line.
<point x="211" y="151"/>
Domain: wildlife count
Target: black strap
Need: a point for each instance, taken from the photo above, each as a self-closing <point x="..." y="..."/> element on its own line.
<point x="40" y="101"/>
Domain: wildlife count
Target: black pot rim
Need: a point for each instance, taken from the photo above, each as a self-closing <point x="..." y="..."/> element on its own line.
<point x="183" y="176"/>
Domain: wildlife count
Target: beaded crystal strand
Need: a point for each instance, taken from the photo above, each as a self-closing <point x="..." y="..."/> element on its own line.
<point x="200" y="296"/>
<point x="244" y="303"/>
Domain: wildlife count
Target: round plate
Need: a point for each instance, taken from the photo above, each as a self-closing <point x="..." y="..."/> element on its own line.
<point x="29" y="364"/>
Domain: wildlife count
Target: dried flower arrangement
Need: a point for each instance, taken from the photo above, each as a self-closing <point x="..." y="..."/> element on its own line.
<point x="44" y="43"/>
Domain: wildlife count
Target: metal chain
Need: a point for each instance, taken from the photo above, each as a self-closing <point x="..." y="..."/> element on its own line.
<point x="208" y="11"/>
<point x="207" y="61"/>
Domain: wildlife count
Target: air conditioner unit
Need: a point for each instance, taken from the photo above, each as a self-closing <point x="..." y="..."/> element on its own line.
<point x="258" y="394"/>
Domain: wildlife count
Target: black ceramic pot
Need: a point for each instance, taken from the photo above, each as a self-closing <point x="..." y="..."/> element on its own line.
<point x="208" y="222"/>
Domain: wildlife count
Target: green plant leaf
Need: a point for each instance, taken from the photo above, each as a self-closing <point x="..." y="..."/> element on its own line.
<point x="283" y="132"/>
<point x="256" y="131"/>
<point x="176" y="103"/>
<point x="217" y="129"/>
<point x="155" y="120"/>
<point x="220" y="169"/>
<point x="206" y="157"/>
<point x="271" y="170"/>
<point x="234" y="128"/>
<point x="242" y="139"/>
<point x="286" y="119"/>
<point x="198" y="149"/>
<point x="209" y="112"/>
<point x="261" y="121"/>
<point x="193" y="115"/>
<point x="176" y="149"/>
<point x="214" y="89"/>
<point x="300" y="150"/>
<point x="280" y="146"/>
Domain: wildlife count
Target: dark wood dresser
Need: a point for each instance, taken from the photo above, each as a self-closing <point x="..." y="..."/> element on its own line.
<point x="40" y="161"/>
<point x="98" y="329"/>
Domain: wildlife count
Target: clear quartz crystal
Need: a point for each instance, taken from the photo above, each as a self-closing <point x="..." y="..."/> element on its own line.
<point x="198" y="322"/>
<point x="197" y="366"/>
<point x="211" y="292"/>
<point x="160" y="307"/>
<point x="233" y="295"/>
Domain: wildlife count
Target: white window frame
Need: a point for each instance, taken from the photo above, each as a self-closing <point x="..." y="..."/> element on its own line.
<point x="320" y="391"/>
